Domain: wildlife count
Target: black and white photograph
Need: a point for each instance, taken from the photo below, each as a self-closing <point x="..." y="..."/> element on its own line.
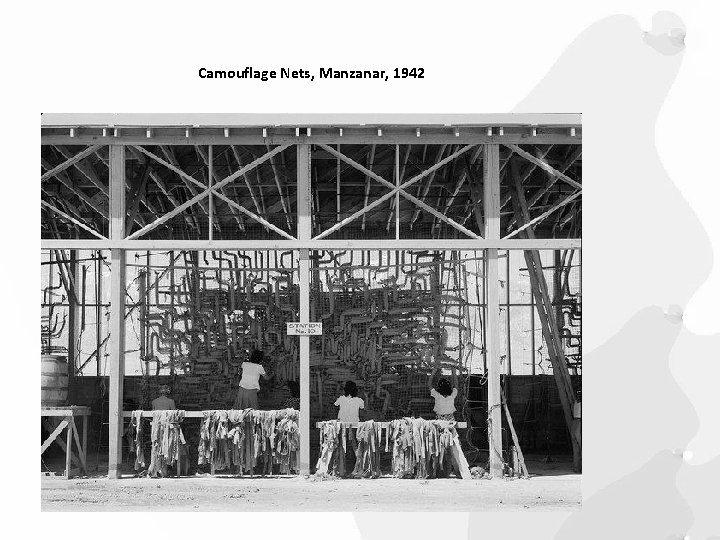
<point x="318" y="270"/>
<point x="328" y="313"/>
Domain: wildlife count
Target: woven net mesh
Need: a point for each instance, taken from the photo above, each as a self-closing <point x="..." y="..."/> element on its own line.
<point x="390" y="319"/>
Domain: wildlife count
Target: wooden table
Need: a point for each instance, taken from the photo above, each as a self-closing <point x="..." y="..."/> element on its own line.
<point x="67" y="416"/>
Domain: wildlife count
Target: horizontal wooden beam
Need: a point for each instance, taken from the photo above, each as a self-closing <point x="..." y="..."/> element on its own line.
<point x="313" y="120"/>
<point x="177" y="137"/>
<point x="250" y="245"/>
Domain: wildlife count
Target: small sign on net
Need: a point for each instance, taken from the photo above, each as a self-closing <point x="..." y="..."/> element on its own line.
<point x="304" y="329"/>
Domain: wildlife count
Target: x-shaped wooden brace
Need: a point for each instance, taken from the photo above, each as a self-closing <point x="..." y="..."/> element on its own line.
<point x="400" y="188"/>
<point x="214" y="189"/>
<point x="59" y="169"/>
<point x="553" y="172"/>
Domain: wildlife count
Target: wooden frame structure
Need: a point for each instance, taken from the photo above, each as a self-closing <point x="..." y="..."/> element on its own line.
<point x="66" y="416"/>
<point x="458" y="139"/>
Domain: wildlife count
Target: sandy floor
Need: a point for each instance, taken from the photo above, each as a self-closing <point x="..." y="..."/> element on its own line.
<point x="561" y="492"/>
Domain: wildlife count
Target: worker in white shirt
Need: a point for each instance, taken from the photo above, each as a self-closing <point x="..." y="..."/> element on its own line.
<point x="250" y="381"/>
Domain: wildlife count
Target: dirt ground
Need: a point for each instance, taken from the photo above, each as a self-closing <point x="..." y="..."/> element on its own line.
<point x="552" y="488"/>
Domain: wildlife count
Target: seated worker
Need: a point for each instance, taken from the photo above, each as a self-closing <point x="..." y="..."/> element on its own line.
<point x="163" y="402"/>
<point x="293" y="402"/>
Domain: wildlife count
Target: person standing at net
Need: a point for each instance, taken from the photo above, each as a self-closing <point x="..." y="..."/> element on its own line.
<point x="250" y="381"/>
<point x="349" y="411"/>
<point x="349" y="404"/>
<point x="444" y="395"/>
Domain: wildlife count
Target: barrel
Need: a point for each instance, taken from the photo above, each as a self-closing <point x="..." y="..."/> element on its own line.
<point x="54" y="381"/>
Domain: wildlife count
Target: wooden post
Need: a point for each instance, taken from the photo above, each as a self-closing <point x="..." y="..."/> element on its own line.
<point x="397" y="195"/>
<point x="116" y="364"/>
<point x="172" y="304"/>
<point x="491" y="203"/>
<point x="211" y="205"/>
<point x="68" y="449"/>
<point x="84" y="438"/>
<point x="519" y="459"/>
<point x="74" y="300"/>
<point x="98" y="312"/>
<point x="304" y="232"/>
<point x="508" y="344"/>
<point x="142" y="315"/>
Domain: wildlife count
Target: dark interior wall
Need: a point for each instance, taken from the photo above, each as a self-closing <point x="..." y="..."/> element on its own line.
<point x="536" y="412"/>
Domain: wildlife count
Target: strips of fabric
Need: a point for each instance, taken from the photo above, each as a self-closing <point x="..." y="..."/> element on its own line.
<point x="239" y="440"/>
<point x="136" y="445"/>
<point x="166" y="438"/>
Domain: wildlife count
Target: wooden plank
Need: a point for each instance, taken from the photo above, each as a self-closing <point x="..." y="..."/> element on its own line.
<point x="61" y="443"/>
<point x="177" y="170"/>
<point x="315" y="120"/>
<point x="285" y="245"/>
<point x="545" y="214"/>
<point x="65" y="411"/>
<point x="395" y="189"/>
<point x="86" y="170"/>
<point x="423" y="190"/>
<point x="252" y="215"/>
<point x="68" y="450"/>
<point x="236" y="153"/>
<point x="53" y="435"/>
<point x="280" y="185"/>
<point x="70" y="162"/>
<point x="544" y="166"/>
<point x="73" y="220"/>
<point x="136" y="195"/>
<point x="211" y="203"/>
<point x="371" y="162"/>
<point x="521" y="458"/>
<point x="256" y="139"/>
<point x="162" y="219"/>
<point x="575" y="154"/>
<point x="398" y="178"/>
<point x="74" y="316"/>
<point x="80" y="447"/>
